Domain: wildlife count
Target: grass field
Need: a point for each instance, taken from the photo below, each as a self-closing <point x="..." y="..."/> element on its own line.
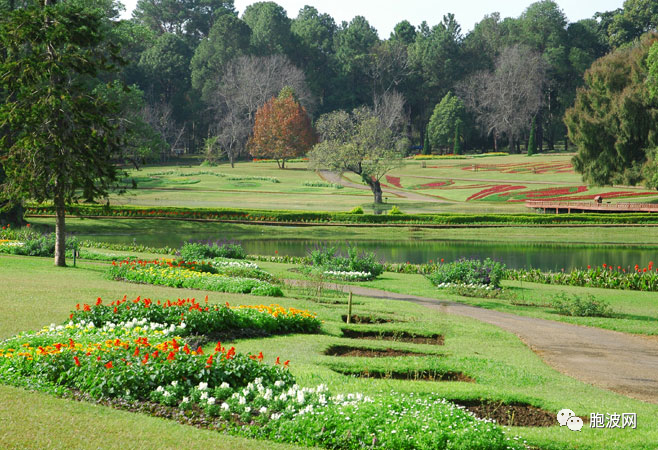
<point x="36" y="293"/>
<point x="494" y="184"/>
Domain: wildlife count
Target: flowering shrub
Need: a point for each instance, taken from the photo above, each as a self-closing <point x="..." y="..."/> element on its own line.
<point x="187" y="316"/>
<point x="329" y="260"/>
<point x="189" y="275"/>
<point x="35" y="244"/>
<point x="576" y="306"/>
<point x="194" y="251"/>
<point x="604" y="276"/>
<point x="469" y="272"/>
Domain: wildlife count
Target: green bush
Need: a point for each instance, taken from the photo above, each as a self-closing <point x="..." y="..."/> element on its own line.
<point x="329" y="259"/>
<point x="576" y="306"/>
<point x="197" y="251"/>
<point x="469" y="272"/>
<point x="395" y="211"/>
<point x="35" y="244"/>
<point x="356" y="210"/>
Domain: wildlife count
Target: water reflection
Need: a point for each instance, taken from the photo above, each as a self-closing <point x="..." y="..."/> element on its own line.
<point x="541" y="256"/>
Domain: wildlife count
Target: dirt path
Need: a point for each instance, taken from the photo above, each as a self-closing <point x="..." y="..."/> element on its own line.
<point x="619" y="362"/>
<point x="338" y="179"/>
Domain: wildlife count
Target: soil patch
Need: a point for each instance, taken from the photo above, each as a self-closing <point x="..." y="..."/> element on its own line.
<point x="410" y="375"/>
<point x="398" y="336"/>
<point x="344" y="350"/>
<point x="355" y="318"/>
<point x="511" y="415"/>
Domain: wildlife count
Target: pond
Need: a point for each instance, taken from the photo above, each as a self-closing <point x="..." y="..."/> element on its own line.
<point x="542" y="256"/>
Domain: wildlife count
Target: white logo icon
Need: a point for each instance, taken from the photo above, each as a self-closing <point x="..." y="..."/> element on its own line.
<point x="568" y="417"/>
<point x="575" y="423"/>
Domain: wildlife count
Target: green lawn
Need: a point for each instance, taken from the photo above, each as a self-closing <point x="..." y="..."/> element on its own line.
<point x="36" y="293"/>
<point x="223" y="186"/>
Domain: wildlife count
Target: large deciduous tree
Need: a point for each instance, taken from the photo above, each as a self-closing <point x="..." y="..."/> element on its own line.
<point x="282" y="130"/>
<point x="57" y="139"/>
<point x="358" y="143"/>
<point x="614" y="122"/>
<point x="441" y="128"/>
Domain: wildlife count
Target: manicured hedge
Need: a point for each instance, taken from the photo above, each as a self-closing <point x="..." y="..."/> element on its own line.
<point x="255" y="215"/>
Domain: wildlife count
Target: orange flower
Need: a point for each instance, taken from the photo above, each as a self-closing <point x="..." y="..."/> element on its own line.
<point x="109" y="365"/>
<point x="278" y="361"/>
<point x="136" y="351"/>
<point x="209" y="362"/>
<point x="171" y="356"/>
<point x="218" y="347"/>
<point x="145" y="359"/>
<point x="199" y="351"/>
<point x="231" y="353"/>
<point x="286" y="363"/>
<point x="260" y="356"/>
<point x="98" y="301"/>
<point x="86" y="307"/>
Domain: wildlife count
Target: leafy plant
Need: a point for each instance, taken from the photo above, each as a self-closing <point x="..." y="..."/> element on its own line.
<point x="328" y="259"/>
<point x="197" y="251"/>
<point x="356" y="210"/>
<point x="469" y="271"/>
<point x="576" y="306"/>
<point x="395" y="211"/>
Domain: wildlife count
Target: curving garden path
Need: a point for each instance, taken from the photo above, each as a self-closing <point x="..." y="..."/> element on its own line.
<point x="623" y="363"/>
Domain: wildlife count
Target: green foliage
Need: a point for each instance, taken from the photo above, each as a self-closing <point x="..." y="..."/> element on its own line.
<point x="198" y="251"/>
<point x="576" y="306"/>
<point x="217" y="319"/>
<point x="270" y="28"/>
<point x="612" y="120"/>
<point x="457" y="148"/>
<point x="607" y="277"/>
<point x="469" y="271"/>
<point x="163" y="274"/>
<point x="427" y="147"/>
<point x="532" y="140"/>
<point x="35" y="244"/>
<point x="442" y="127"/>
<point x="395" y="211"/>
<point x="356" y="210"/>
<point x="329" y="259"/>
<point x="322" y="184"/>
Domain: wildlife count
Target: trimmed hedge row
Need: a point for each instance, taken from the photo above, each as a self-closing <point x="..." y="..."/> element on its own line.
<point x="256" y="215"/>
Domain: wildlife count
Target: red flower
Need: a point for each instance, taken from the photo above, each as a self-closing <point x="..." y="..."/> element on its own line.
<point x="605" y="265"/>
<point x="589" y="267"/>
<point x="86" y="307"/>
<point x="98" y="301"/>
<point x="155" y="354"/>
<point x="186" y="349"/>
<point x="115" y="310"/>
<point x="199" y="351"/>
<point x="231" y="353"/>
<point x="218" y="347"/>
<point x="58" y="346"/>
<point x="136" y="351"/>
<point x="77" y="306"/>
<point x="76" y="361"/>
<point x="171" y="356"/>
<point x="286" y="363"/>
<point x="71" y="343"/>
<point x="260" y="356"/>
<point x="71" y="316"/>
<point x="209" y="362"/>
<point x="278" y="361"/>
<point x="145" y="359"/>
<point x="28" y="225"/>
<point x="109" y="365"/>
<point x="98" y="358"/>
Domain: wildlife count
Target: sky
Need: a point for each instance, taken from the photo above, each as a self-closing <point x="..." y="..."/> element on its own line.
<point x="384" y="14"/>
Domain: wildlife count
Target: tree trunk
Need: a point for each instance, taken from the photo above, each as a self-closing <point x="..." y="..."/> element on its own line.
<point x="495" y="142"/>
<point x="376" y="189"/>
<point x="60" y="232"/>
<point x="230" y="158"/>
<point x="566" y="144"/>
<point x="540" y="132"/>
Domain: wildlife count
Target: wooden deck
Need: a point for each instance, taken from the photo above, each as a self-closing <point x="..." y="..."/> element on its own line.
<point x="579" y="207"/>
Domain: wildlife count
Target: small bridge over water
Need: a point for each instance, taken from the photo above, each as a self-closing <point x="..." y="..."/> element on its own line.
<point x="581" y="207"/>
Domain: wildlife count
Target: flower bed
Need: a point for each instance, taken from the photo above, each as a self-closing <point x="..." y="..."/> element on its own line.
<point x="188" y="316"/>
<point x="471" y="272"/>
<point x="353" y="267"/>
<point x="605" y="276"/>
<point x="189" y="275"/>
<point x="499" y="189"/>
<point x="395" y="181"/>
<point x="348" y="276"/>
<point x="139" y="362"/>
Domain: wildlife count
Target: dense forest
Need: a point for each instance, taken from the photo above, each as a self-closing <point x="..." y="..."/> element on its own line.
<point x="197" y="72"/>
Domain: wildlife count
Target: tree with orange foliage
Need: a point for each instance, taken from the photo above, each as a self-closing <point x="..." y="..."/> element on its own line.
<point x="282" y="130"/>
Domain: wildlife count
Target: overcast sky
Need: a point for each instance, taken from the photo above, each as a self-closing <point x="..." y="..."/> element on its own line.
<point x="384" y="14"/>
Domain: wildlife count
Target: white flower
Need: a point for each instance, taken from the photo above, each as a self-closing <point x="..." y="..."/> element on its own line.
<point x="242" y="401"/>
<point x="185" y="400"/>
<point x="276" y="416"/>
<point x="204" y="395"/>
<point x="174" y="383"/>
<point x="268" y="394"/>
<point x="300" y="397"/>
<point x="278" y="383"/>
<point x="159" y="389"/>
<point x="225" y="406"/>
<point x="203" y="386"/>
<point x="263" y="410"/>
<point x="224" y="385"/>
<point x="211" y="400"/>
<point x="166" y="394"/>
<point x="247" y="409"/>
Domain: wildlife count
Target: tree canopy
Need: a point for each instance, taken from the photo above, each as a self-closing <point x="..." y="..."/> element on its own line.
<point x="57" y="137"/>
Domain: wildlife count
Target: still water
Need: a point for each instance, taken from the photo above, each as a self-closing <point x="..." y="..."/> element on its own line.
<point x="541" y="256"/>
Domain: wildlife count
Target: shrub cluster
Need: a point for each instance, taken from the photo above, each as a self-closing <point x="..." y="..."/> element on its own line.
<point x="329" y="261"/>
<point x="576" y="306"/>
<point x="35" y="244"/>
<point x="197" y="251"/>
<point x="469" y="272"/>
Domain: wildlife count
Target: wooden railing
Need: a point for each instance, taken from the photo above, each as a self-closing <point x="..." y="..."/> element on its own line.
<point x="592" y="206"/>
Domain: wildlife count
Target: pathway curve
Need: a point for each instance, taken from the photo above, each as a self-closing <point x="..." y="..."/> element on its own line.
<point x="333" y="177"/>
<point x="623" y="363"/>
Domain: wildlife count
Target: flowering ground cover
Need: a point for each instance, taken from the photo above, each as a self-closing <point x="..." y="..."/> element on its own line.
<point x="526" y="167"/>
<point x="605" y="276"/>
<point x="195" y="275"/>
<point x="144" y="362"/>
